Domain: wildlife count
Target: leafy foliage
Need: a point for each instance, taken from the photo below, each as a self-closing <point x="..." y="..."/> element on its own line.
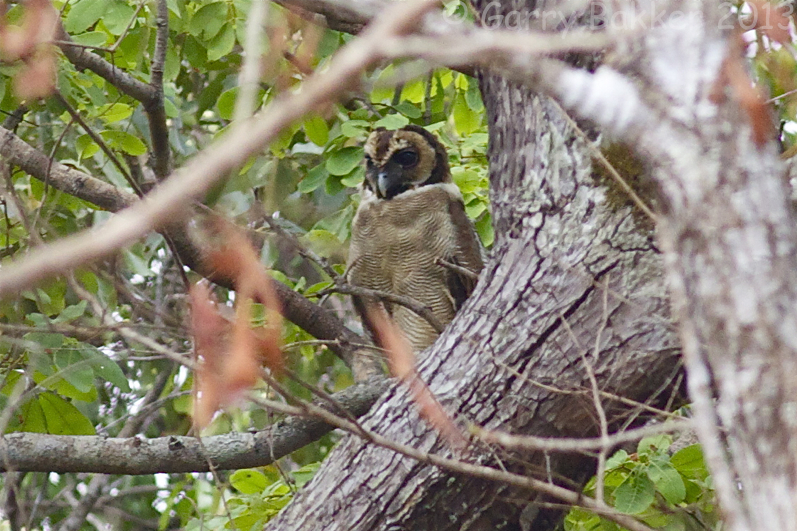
<point x="667" y="490"/>
<point x="66" y="365"/>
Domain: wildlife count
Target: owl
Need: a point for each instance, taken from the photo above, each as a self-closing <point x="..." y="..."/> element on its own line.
<point x="411" y="215"/>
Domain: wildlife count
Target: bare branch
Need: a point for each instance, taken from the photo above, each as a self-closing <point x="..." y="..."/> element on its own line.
<point x="137" y="455"/>
<point x="548" y="444"/>
<point x="156" y="113"/>
<point x="83" y="59"/>
<point x="407" y="302"/>
<point x="106" y="196"/>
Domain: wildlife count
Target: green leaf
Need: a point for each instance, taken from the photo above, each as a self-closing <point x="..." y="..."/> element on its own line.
<point x="317" y="130"/>
<point x="124" y="141"/>
<point x="414" y="91"/>
<point x="45" y="340"/>
<point x="92" y="38"/>
<point x="338" y="223"/>
<point x="226" y="103"/>
<point x="29" y="418"/>
<point x="689" y="462"/>
<point x="105" y="367"/>
<point x="305" y="474"/>
<point x="467" y="180"/>
<point x="409" y="110"/>
<point x="635" y="494"/>
<point x="208" y="20"/>
<point x="323" y="242"/>
<point x="84" y="14"/>
<point x="249" y="481"/>
<point x="86" y="147"/>
<point x="616" y="460"/>
<point x="484" y="227"/>
<point x="344" y="160"/>
<point x="667" y="480"/>
<point x="315" y="288"/>
<point x="70" y="313"/>
<point x="75" y="369"/>
<point x="313" y="179"/>
<point x="475" y="209"/>
<point x="117" y="17"/>
<point x="465" y="120"/>
<point x="115" y="112"/>
<point x="655" y="444"/>
<point x="354" y="128"/>
<point x="392" y="121"/>
<point x="223" y="43"/>
<point x="62" y="418"/>
<point x="474" y="98"/>
<point x="355" y="178"/>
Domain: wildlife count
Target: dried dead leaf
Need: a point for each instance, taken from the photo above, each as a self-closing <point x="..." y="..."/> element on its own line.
<point x="771" y="20"/>
<point x="247" y="350"/>
<point x="209" y="330"/>
<point x="402" y="366"/>
<point x="37" y="27"/>
<point x="37" y="79"/>
<point x="733" y="74"/>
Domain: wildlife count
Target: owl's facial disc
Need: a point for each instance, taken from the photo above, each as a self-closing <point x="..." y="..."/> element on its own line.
<point x="392" y="178"/>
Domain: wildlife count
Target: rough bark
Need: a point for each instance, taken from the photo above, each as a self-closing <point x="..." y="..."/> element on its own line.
<point x="730" y="247"/>
<point x="559" y="241"/>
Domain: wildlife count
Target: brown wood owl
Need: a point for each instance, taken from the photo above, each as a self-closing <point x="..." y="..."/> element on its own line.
<point x="411" y="215"/>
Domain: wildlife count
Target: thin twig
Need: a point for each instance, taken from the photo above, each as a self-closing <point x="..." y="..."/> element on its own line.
<point x="530" y="443"/>
<point x="464" y="271"/>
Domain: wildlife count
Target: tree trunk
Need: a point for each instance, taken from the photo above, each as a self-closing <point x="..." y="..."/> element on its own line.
<point x="573" y="281"/>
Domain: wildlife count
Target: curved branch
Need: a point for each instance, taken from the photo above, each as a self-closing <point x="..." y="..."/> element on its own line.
<point x="35" y="452"/>
<point x="83" y="59"/>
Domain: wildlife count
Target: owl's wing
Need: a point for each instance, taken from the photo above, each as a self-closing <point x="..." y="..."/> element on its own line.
<point x="467" y="254"/>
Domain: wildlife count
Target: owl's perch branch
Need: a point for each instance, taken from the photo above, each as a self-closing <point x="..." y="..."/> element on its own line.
<point x="407" y="302"/>
<point x="465" y="272"/>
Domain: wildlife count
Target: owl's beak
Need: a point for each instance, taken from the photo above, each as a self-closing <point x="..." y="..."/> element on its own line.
<point x="390" y="181"/>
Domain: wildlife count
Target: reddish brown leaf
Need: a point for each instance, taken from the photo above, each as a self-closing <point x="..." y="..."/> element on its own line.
<point x="37" y="79"/>
<point x="235" y="258"/>
<point x="402" y="366"/>
<point x="242" y="369"/>
<point x="733" y="74"/>
<point x="772" y="20"/>
<point x="238" y="363"/>
<point x="209" y="330"/>
<point x="37" y="27"/>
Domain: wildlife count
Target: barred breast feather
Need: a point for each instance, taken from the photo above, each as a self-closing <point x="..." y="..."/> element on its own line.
<point x="395" y="246"/>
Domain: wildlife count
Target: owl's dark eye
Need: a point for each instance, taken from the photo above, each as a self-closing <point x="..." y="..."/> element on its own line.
<point x="406" y="158"/>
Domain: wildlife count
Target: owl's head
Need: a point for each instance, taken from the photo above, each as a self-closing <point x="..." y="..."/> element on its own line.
<point x="402" y="160"/>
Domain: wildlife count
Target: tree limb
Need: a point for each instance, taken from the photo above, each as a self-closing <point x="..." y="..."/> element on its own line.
<point x="34" y="452"/>
<point x="156" y="113"/>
